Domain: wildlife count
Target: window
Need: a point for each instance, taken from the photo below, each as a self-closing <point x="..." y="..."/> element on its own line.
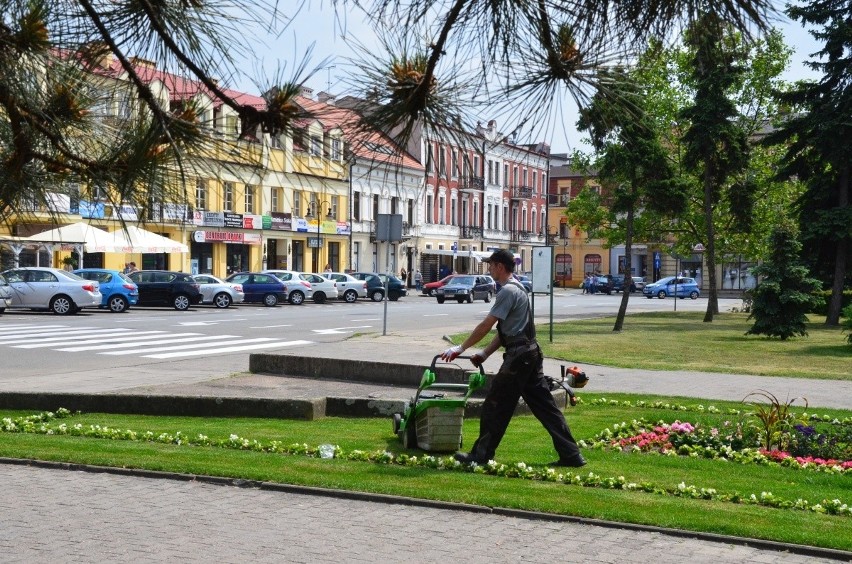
<point x="430" y="209"/>
<point x="375" y="207"/>
<point x="429" y="158"/>
<point x="514" y="176"/>
<point x="356" y="206"/>
<point x="335" y="204"/>
<point x="316" y="146"/>
<point x="297" y="203"/>
<point x="394" y="205"/>
<point x="442" y="161"/>
<point x="200" y="194"/>
<point x="543" y="221"/>
<point x="453" y="211"/>
<point x="476" y="170"/>
<point x="312" y="205"/>
<point x="275" y="197"/>
<point x="249" y="199"/>
<point x="336" y="149"/>
<point x="475" y="219"/>
<point x="455" y="164"/>
<point x="442" y="207"/>
<point x="505" y="173"/>
<point x="490" y="172"/>
<point x="524" y="178"/>
<point x="228" y="197"/>
<point x="535" y="180"/>
<point x="410" y="212"/>
<point x="489" y="225"/>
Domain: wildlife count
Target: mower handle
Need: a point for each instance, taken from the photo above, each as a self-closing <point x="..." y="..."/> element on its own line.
<point x="463" y="357"/>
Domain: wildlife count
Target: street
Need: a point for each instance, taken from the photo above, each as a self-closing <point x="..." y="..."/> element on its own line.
<point x="98" y="349"/>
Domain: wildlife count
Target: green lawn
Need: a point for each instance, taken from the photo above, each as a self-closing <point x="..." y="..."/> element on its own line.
<point x="681" y="341"/>
<point x="525" y="442"/>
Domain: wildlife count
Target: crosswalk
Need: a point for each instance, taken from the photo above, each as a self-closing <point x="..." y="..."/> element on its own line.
<point x="122" y="341"/>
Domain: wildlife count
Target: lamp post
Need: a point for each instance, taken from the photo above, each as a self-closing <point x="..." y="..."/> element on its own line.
<point x="317" y="246"/>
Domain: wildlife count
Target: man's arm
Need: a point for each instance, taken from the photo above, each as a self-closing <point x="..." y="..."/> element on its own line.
<point x="480" y="331"/>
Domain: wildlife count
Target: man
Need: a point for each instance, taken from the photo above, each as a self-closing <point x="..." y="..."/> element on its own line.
<point x="520" y="375"/>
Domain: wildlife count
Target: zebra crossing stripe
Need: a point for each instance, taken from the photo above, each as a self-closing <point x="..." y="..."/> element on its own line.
<point x="211" y="347"/>
<point x="229" y="349"/>
<point x="70" y="340"/>
<point x="155" y="340"/>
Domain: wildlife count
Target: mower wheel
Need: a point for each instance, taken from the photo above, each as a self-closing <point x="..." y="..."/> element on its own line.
<point x="397" y="421"/>
<point x="409" y="437"/>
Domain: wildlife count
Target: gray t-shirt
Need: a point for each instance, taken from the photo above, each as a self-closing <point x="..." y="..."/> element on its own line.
<point x="511" y="306"/>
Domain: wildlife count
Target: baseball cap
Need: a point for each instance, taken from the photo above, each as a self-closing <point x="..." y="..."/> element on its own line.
<point x="504" y="257"/>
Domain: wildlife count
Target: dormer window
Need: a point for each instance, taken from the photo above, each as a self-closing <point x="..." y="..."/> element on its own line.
<point x="316" y="146"/>
<point x="336" y="150"/>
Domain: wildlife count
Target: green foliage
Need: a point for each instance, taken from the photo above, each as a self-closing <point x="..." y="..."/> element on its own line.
<point x="784" y="293"/>
<point x="822" y="298"/>
<point x="775" y="420"/>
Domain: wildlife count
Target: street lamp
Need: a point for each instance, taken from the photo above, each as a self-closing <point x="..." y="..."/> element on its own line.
<point x="317" y="244"/>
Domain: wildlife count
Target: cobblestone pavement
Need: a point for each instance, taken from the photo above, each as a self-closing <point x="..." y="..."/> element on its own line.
<point x="53" y="515"/>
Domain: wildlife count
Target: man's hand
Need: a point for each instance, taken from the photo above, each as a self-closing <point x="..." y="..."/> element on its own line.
<point x="478" y="358"/>
<point x="451" y="353"/>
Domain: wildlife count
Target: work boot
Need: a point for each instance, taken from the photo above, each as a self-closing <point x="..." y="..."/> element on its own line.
<point x="574" y="462"/>
<point x="468" y="458"/>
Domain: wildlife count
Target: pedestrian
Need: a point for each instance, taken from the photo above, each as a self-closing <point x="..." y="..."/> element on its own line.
<point x="403" y="275"/>
<point x="126" y="268"/>
<point x="521" y="374"/>
<point x="418" y="279"/>
<point x="133" y="268"/>
<point x="327" y="268"/>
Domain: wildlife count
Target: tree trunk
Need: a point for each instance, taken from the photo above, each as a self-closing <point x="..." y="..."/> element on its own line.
<point x="835" y="304"/>
<point x="710" y="247"/>
<point x="628" y="270"/>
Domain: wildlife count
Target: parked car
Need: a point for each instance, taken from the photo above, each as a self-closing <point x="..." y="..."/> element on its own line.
<point x="671" y="285"/>
<point x="322" y="288"/>
<point x="604" y="284"/>
<point x="376" y="286"/>
<point x="164" y="287"/>
<point x="349" y="288"/>
<point x="298" y="289"/>
<point x="430" y="289"/>
<point x="466" y="288"/>
<point x="5" y="294"/>
<point x="618" y="283"/>
<point x="218" y="292"/>
<point x="639" y="282"/>
<point x="525" y="281"/>
<point x="119" y="292"/>
<point x="261" y="287"/>
<point x="43" y="288"/>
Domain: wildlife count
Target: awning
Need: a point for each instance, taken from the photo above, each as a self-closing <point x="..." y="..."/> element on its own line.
<point x="142" y="241"/>
<point x="74" y="234"/>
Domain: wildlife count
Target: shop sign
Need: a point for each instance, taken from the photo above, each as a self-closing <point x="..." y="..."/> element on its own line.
<point x="126" y="212"/>
<point x="266" y="221"/>
<point x="226" y="237"/>
<point x="593" y="259"/>
<point x="301" y="224"/>
<point x="343" y="228"/>
<point x="91" y="209"/>
<point x="233" y="219"/>
<point x="209" y="218"/>
<point x="281" y="221"/>
<point x="172" y="212"/>
<point x="252" y="222"/>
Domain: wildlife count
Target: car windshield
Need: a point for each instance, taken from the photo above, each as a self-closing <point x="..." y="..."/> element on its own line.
<point x="463" y="280"/>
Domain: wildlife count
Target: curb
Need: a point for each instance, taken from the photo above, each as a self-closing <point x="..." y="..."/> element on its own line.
<point x="816" y="552"/>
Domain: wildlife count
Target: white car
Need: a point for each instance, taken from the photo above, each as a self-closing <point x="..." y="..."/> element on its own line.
<point x="218" y="292"/>
<point x="298" y="290"/>
<point x="323" y="288"/>
<point x="349" y="288"/>
<point x="61" y="292"/>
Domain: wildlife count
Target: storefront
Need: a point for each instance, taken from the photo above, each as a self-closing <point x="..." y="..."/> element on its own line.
<point x="235" y="251"/>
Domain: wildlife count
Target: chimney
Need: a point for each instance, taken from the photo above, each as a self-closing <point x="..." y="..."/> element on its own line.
<point x="326" y="98"/>
<point x="145" y="63"/>
<point x="307" y="92"/>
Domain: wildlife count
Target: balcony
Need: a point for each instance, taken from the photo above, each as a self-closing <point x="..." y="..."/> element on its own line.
<point x="521" y="193"/>
<point x="471" y="184"/>
<point x="471" y="232"/>
<point x="558" y="200"/>
<point x="522" y="236"/>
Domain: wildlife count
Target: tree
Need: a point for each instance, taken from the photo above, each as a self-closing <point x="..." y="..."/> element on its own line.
<point x="815" y="152"/>
<point x="633" y="162"/>
<point x="66" y="65"/>
<point x="715" y="143"/>
<point x="785" y="291"/>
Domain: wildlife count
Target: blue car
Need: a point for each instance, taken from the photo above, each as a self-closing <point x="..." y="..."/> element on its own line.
<point x="260" y="287"/>
<point x="119" y="292"/>
<point x="671" y="285"/>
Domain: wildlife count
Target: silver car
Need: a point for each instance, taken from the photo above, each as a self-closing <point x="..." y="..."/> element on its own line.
<point x="323" y="288"/>
<point x="61" y="292"/>
<point x="349" y="288"/>
<point x="298" y="289"/>
<point x="218" y="292"/>
<point x="5" y="294"/>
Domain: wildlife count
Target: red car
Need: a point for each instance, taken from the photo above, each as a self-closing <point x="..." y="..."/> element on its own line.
<point x="431" y="289"/>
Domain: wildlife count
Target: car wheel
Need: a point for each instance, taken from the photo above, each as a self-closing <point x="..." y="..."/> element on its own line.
<point x="432" y="292"/>
<point x="117" y="304"/>
<point x="441" y="299"/>
<point x="377" y="295"/>
<point x="693" y="295"/>
<point x="222" y="300"/>
<point x="181" y="302"/>
<point x="393" y="296"/>
<point x="661" y="294"/>
<point x="319" y="298"/>
<point x="62" y="305"/>
<point x="295" y="298"/>
<point x="487" y="297"/>
<point x="470" y="298"/>
<point x="350" y="296"/>
<point x="2" y="310"/>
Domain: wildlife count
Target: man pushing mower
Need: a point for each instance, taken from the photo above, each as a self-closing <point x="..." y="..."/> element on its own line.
<point x="520" y="375"/>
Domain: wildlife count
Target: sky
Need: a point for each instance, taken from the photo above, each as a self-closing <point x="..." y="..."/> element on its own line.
<point x="320" y="27"/>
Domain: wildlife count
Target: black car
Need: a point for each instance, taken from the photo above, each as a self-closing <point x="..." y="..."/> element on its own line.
<point x="604" y="284"/>
<point x="163" y="287"/>
<point x="466" y="288"/>
<point x="618" y="283"/>
<point x="376" y="286"/>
